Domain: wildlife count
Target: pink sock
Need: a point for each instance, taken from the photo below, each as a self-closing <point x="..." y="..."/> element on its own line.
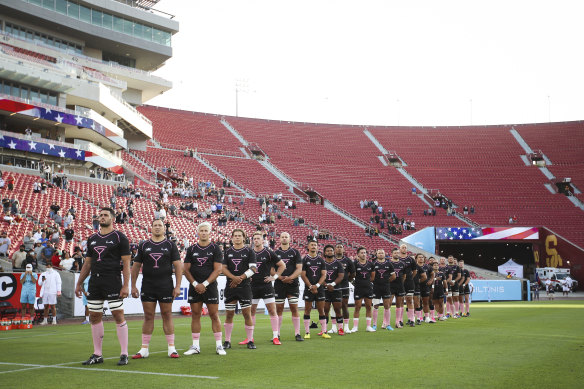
<point x="411" y="316"/>
<point x="456" y="307"/>
<point x="386" y="317"/>
<point x="432" y="314"/>
<point x="467" y="306"/>
<point x="368" y="321"/>
<point x="280" y="319"/>
<point x="345" y="322"/>
<point x="426" y="314"/>
<point x="398" y="315"/>
<point x="296" y="323"/>
<point x="253" y="320"/>
<point x="170" y="339"/>
<point x="374" y="316"/>
<point x="122" y="330"/>
<point x="217" y="336"/>
<point x="356" y="322"/>
<point x="146" y="340"/>
<point x="97" y="334"/>
<point x="323" y="325"/>
<point x="306" y="325"/>
<point x="228" y="331"/>
<point x="196" y="335"/>
<point x="274" y="322"/>
<point x="249" y="332"/>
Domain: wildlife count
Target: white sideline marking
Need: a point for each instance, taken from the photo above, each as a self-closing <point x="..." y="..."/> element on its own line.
<point x="60" y="366"/>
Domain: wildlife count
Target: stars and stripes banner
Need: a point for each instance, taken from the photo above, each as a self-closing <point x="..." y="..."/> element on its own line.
<point x="34" y="146"/>
<point x="490" y="233"/>
<point x="49" y="114"/>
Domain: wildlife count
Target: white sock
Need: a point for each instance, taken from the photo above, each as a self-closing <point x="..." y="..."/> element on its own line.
<point x="86" y="318"/>
<point x="218" y="343"/>
<point x="275" y="334"/>
<point x="196" y="343"/>
<point x="171" y="349"/>
<point x="143" y="351"/>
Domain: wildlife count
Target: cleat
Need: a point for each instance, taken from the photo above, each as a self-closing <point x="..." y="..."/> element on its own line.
<point x="341" y="331"/>
<point x="370" y="329"/>
<point x="408" y="322"/>
<point x="442" y="318"/>
<point x="299" y="338"/>
<point x="143" y="353"/>
<point x="123" y="360"/>
<point x="85" y="322"/>
<point x="355" y="329"/>
<point x="412" y="324"/>
<point x="250" y="345"/>
<point x="226" y="345"/>
<point x="219" y="350"/>
<point x="447" y="316"/>
<point x="244" y="342"/>
<point x="307" y="335"/>
<point x="427" y="320"/>
<point x="418" y="322"/>
<point x="431" y="321"/>
<point x="326" y="336"/>
<point x="332" y="331"/>
<point x="389" y="328"/>
<point x="192" y="350"/>
<point x="320" y="333"/>
<point x="399" y="325"/>
<point x="93" y="359"/>
<point x="174" y="354"/>
<point x="276" y="341"/>
<point x="374" y="327"/>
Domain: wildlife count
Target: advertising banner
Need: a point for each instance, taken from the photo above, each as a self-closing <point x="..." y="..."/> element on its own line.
<point x="10" y="288"/>
<point x="424" y="239"/>
<point x="495" y="290"/>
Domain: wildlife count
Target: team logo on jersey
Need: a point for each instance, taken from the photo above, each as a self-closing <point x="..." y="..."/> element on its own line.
<point x="148" y="249"/>
<point x="202" y="261"/>
<point x="195" y="254"/>
<point x="381" y="271"/>
<point x="92" y="243"/>
<point x="314" y="269"/>
<point x="109" y="241"/>
<point x="155" y="257"/>
<point x="285" y="260"/>
<point x="230" y="255"/>
<point x="365" y="273"/>
<point x="236" y="263"/>
<point x="329" y="273"/>
<point x="99" y="250"/>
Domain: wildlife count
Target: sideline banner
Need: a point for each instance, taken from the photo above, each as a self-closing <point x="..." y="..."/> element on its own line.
<point x="10" y="288"/>
<point x="134" y="305"/>
<point x="496" y="290"/>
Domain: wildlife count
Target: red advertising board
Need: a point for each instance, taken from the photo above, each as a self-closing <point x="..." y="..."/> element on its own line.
<point x="10" y="288"/>
<point x="555" y="251"/>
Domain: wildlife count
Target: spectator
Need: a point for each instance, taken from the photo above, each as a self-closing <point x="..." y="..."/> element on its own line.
<point x="409" y="211"/>
<point x="68" y="263"/>
<point x="50" y="281"/>
<point x="56" y="259"/>
<point x="67" y="220"/>
<point x="55" y="236"/>
<point x="38" y="252"/>
<point x="69" y="233"/>
<point x="95" y="222"/>
<point x="10" y="181"/>
<point x="465" y="210"/>
<point x="28" y="241"/>
<point x="47" y="253"/>
<point x="18" y="258"/>
<point x="5" y="243"/>
<point x="113" y="201"/>
<point x="472" y="209"/>
<point x="2" y="183"/>
<point x="53" y="209"/>
<point x="78" y="257"/>
<point x="8" y="218"/>
<point x="28" y="279"/>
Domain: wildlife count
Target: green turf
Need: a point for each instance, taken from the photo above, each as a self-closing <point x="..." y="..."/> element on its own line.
<point x="502" y="345"/>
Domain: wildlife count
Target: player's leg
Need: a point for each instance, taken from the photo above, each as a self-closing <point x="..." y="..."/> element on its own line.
<point x="357" y="312"/>
<point x="307" y="309"/>
<point x="215" y="327"/>
<point x="327" y="309"/>
<point x="417" y="308"/>
<point x="426" y="308"/>
<point x="271" y="307"/>
<point x="345" y="308"/>
<point x="399" y="311"/>
<point x="117" y="308"/>
<point x="387" y="313"/>
<point x="322" y="317"/>
<point x="368" y="308"/>
<point x="229" y="314"/>
<point x="338" y="309"/>
<point x="293" y="303"/>
<point x="245" y="302"/>
<point x="196" y="311"/>
<point x="375" y="311"/>
<point x="149" y="308"/>
<point x="168" y="327"/>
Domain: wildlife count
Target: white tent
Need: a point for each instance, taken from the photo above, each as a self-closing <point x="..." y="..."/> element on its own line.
<point x="511" y="268"/>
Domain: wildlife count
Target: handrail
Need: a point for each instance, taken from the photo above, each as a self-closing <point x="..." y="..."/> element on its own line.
<point x="129" y="106"/>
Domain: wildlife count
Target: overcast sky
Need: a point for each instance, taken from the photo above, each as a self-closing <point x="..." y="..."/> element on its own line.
<point x="379" y="62"/>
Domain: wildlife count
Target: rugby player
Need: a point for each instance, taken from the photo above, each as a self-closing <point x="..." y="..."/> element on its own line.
<point x="426" y="290"/>
<point x="363" y="289"/>
<point x="438" y="290"/>
<point x="419" y="279"/>
<point x="261" y="283"/>
<point x="239" y="264"/>
<point x="156" y="257"/>
<point x="384" y="274"/>
<point x="203" y="264"/>
<point x="397" y="286"/>
<point x="287" y="285"/>
<point x="313" y="274"/>
<point x="106" y="249"/>
<point x="464" y="291"/>
<point x="332" y="294"/>
<point x="453" y="286"/>
<point x="349" y="268"/>
<point x="410" y="272"/>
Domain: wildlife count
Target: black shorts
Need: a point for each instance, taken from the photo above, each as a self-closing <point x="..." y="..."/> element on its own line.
<point x="363" y="292"/>
<point x="397" y="289"/>
<point x="104" y="287"/>
<point x="453" y="289"/>
<point x="425" y="290"/>
<point x="461" y="289"/>
<point x="264" y="291"/>
<point x="333" y="297"/>
<point x="152" y="293"/>
<point x="382" y="291"/>
<point x="409" y="286"/>
<point x="309" y="296"/>
<point x="345" y="293"/>
<point x="438" y="293"/>
<point x="211" y="295"/>
<point x="467" y="289"/>
<point x="241" y="294"/>
<point x="283" y="290"/>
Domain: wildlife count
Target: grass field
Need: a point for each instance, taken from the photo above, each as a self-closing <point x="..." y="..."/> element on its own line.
<point x="502" y="345"/>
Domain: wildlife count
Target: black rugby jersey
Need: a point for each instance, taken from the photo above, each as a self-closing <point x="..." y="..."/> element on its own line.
<point x="106" y="252"/>
<point x="238" y="261"/>
<point x="202" y="260"/>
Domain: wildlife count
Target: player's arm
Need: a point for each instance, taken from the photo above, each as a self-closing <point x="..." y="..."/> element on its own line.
<point x="414" y="271"/>
<point x="423" y="275"/>
<point x="352" y="271"/>
<point x="339" y="279"/>
<point x="281" y="267"/>
<point x="322" y="276"/>
<point x="178" y="269"/>
<point x="136" y="271"/>
<point x="449" y="280"/>
<point x="372" y="278"/>
<point x="294" y="275"/>
<point x="392" y="277"/>
<point x="82" y="276"/>
<point x="431" y="280"/>
<point x="459" y="274"/>
<point x="307" y="283"/>
<point x="125" y="291"/>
